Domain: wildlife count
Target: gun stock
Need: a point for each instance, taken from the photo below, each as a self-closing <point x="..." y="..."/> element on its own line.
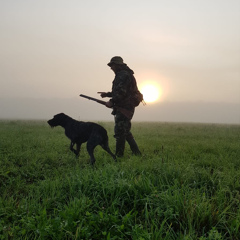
<point x="128" y="114"/>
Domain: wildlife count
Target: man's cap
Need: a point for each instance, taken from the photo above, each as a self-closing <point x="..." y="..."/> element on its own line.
<point x="116" y="60"/>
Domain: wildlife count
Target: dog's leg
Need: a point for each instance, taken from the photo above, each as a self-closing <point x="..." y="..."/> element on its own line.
<point x="78" y="149"/>
<point x="90" y="149"/>
<point x="71" y="146"/>
<point x="73" y="150"/>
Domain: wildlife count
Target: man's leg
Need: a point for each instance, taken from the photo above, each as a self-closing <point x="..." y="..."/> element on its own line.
<point x="120" y="130"/>
<point x="133" y="145"/>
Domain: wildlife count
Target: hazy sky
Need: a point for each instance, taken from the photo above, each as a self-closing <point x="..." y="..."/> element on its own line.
<point x="52" y="49"/>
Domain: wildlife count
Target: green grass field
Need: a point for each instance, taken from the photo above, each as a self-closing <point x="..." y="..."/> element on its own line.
<point x="186" y="185"/>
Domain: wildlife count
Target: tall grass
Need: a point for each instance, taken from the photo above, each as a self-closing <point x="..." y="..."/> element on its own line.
<point x="186" y="185"/>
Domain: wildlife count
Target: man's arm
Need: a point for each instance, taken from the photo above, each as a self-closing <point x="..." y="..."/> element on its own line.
<point x="105" y="94"/>
<point x="120" y="88"/>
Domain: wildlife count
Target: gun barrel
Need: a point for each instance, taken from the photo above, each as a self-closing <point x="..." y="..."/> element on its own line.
<point x="85" y="96"/>
<point x="93" y="99"/>
<point x="125" y="112"/>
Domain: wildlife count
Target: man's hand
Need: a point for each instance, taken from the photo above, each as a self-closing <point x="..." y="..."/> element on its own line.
<point x="103" y="94"/>
<point x="109" y="104"/>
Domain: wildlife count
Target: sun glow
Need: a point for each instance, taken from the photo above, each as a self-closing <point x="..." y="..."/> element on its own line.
<point x="151" y="92"/>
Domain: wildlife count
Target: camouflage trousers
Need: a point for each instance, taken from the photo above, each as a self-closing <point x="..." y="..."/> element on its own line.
<point x="122" y="127"/>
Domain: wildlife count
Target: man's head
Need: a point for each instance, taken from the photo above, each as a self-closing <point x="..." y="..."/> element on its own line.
<point x="116" y="60"/>
<point x="116" y="63"/>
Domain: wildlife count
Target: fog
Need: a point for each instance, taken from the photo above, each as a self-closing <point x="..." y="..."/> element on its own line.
<point x="51" y="51"/>
<point x="85" y="110"/>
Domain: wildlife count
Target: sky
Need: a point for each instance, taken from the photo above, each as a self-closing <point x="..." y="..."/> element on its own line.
<point x="53" y="50"/>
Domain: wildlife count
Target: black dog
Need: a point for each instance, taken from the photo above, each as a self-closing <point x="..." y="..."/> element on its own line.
<point x="79" y="132"/>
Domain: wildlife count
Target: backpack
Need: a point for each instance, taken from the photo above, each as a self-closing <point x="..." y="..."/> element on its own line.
<point x="136" y="96"/>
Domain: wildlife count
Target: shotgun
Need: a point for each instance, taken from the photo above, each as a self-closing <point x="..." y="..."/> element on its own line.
<point x="128" y="114"/>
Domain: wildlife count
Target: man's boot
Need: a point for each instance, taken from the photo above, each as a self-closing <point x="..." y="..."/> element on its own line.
<point x="133" y="145"/>
<point x="120" y="146"/>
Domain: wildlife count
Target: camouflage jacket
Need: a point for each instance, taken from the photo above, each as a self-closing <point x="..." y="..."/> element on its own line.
<point x="122" y="86"/>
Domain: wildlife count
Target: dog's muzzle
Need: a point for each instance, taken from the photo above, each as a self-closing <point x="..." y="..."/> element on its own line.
<point x="50" y="124"/>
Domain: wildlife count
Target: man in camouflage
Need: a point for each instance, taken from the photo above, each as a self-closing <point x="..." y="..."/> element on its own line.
<point x="122" y="86"/>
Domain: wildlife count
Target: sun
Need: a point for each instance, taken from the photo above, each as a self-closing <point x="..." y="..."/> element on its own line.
<point x="151" y="93"/>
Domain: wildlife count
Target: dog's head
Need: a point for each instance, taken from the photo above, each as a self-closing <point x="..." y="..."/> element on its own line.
<point x="57" y="120"/>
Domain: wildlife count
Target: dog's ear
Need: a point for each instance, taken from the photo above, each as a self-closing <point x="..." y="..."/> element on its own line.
<point x="58" y="115"/>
